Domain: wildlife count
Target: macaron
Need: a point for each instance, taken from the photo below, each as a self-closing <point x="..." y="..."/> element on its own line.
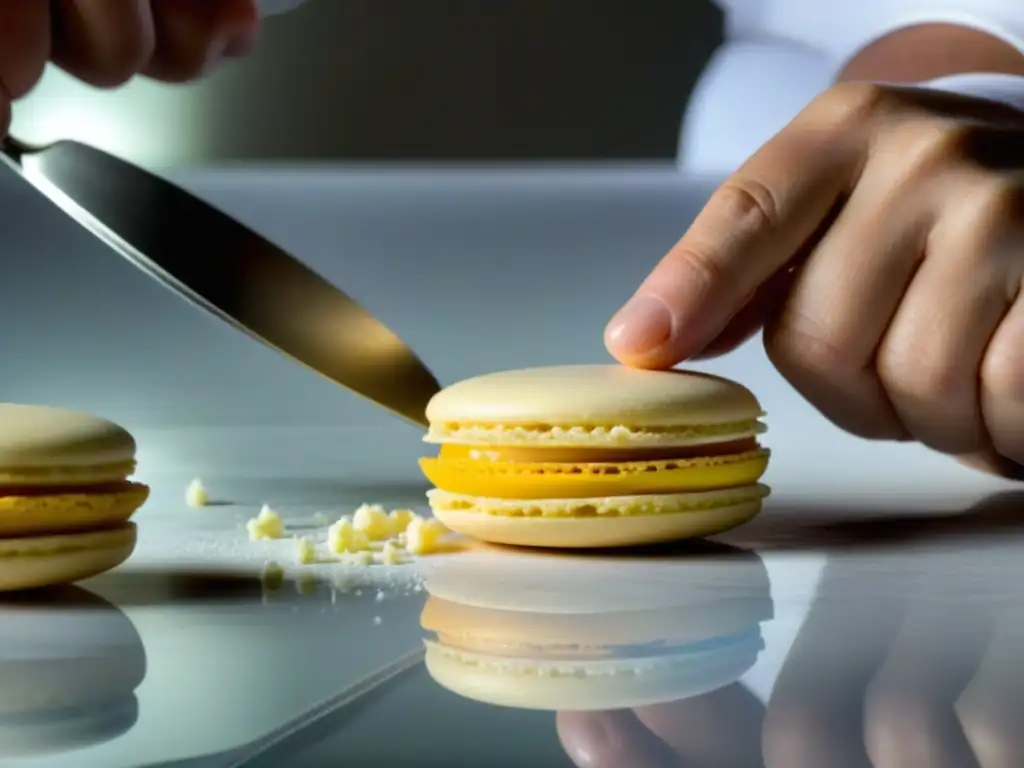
<point x="565" y="635"/>
<point x="69" y="669"/>
<point x="66" y="500"/>
<point x="595" y="456"/>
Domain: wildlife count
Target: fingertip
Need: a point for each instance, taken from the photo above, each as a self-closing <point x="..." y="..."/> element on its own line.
<point x="641" y="332"/>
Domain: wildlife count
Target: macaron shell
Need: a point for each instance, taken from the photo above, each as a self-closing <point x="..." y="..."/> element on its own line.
<point x="30" y="563"/>
<point x="591" y="436"/>
<point x="33" y="436"/>
<point x="523" y="480"/>
<point x="595" y="395"/>
<point x="65" y="475"/>
<point x="587" y="685"/>
<point x="69" y="512"/>
<point x="470" y="627"/>
<point x="598" y="522"/>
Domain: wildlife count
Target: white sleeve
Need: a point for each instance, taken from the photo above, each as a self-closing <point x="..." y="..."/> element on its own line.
<point x="841" y="30"/>
<point x="1008" y="89"/>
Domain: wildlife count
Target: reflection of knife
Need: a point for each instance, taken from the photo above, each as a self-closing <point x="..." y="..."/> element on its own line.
<point x="223" y="266"/>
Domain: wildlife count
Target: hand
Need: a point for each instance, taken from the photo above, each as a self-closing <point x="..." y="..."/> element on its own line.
<point x="879" y="241"/>
<point x="722" y="728"/>
<point x="909" y="657"/>
<point x="107" y="42"/>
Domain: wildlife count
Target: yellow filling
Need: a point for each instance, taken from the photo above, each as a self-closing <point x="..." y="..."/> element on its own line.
<point x="521" y="473"/>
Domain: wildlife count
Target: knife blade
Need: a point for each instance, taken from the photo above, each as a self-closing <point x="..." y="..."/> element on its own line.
<point x="221" y="265"/>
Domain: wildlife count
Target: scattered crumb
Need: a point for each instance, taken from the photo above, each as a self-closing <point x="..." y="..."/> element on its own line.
<point x="343" y="537"/>
<point x="266" y="525"/>
<point x="272" y="576"/>
<point x="400" y="519"/>
<point x="305" y="550"/>
<point x="196" y="495"/>
<point x="423" y="535"/>
<point x="391" y="554"/>
<point x="377" y="620"/>
<point x="379" y="597"/>
<point x="321" y="519"/>
<point x="361" y="558"/>
<point x="373" y="520"/>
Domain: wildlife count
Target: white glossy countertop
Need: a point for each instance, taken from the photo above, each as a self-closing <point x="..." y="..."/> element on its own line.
<point x="478" y="270"/>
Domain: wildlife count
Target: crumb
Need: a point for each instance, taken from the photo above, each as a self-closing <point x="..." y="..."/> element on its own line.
<point x="196" y="495"/>
<point x="373" y="520"/>
<point x="423" y="535"/>
<point x="272" y="576"/>
<point x="266" y="525"/>
<point x="400" y="519"/>
<point x="321" y="519"/>
<point x="391" y="554"/>
<point x="379" y="597"/>
<point x="305" y="550"/>
<point x="362" y="558"/>
<point x="377" y="621"/>
<point x="343" y="537"/>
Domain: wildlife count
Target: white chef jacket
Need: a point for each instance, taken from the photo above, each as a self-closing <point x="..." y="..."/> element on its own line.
<point x="779" y="54"/>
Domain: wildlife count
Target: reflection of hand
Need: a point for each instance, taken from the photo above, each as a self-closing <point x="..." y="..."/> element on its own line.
<point x="907" y="660"/>
<point x="107" y="42"/>
<point x="882" y="677"/>
<point x="722" y="728"/>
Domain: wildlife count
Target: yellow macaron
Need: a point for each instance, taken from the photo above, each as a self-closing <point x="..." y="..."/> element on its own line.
<point x="65" y="496"/>
<point x="534" y="632"/>
<point x="595" y="456"/>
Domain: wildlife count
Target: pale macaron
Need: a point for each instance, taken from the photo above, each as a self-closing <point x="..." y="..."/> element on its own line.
<point x="595" y="456"/>
<point x="69" y="669"/>
<point x="568" y="635"/>
<point x="66" y="498"/>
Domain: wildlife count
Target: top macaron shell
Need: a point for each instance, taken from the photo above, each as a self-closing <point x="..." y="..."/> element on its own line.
<point x="581" y="404"/>
<point x="48" y="446"/>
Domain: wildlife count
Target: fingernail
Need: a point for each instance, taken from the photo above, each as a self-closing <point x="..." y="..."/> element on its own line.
<point x="643" y="325"/>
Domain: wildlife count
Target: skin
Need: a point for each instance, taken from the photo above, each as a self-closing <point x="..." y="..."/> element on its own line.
<point x="878" y="241"/>
<point x="108" y="42"/>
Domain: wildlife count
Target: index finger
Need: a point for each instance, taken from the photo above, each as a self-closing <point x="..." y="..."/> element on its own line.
<point x="752" y="226"/>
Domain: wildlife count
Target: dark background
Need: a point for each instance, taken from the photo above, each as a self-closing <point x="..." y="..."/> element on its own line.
<point x="416" y="80"/>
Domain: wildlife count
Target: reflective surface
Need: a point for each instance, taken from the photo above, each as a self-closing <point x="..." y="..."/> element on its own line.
<point x="905" y="652"/>
<point x="870" y="616"/>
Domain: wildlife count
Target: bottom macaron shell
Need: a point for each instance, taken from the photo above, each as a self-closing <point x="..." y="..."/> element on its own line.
<point x="623" y="521"/>
<point x="30" y="563"/>
<point x="59" y="513"/>
<point x="579" y="686"/>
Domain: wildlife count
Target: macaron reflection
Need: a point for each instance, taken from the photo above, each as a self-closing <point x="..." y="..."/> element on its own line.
<point x="532" y="631"/>
<point x="70" y="663"/>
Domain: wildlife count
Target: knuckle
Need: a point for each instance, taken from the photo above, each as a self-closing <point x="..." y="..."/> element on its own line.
<point x="800" y="347"/>
<point x="750" y="203"/>
<point x="919" y="146"/>
<point x="1002" y="374"/>
<point x="922" y="378"/>
<point x="851" y="103"/>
